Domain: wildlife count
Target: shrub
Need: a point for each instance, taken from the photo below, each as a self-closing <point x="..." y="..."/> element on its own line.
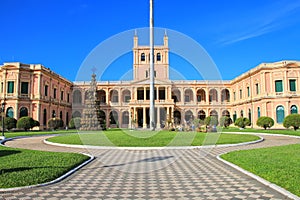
<point x="242" y="122"/>
<point x="25" y="123"/>
<point x="265" y="122"/>
<point x="225" y="121"/>
<point x="36" y="123"/>
<point x="75" y="123"/>
<point x="9" y="123"/>
<point x="55" y="123"/>
<point x="211" y="121"/>
<point x="292" y="120"/>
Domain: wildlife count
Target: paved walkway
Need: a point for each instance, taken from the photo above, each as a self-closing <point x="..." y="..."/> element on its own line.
<point x="152" y="174"/>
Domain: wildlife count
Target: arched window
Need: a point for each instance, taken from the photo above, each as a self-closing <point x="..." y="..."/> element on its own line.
<point x="201" y="115"/>
<point x="77" y="97"/>
<point x="67" y="118"/>
<point x="189" y="116"/>
<point x="143" y="57"/>
<point x="158" y="57"/>
<point x="226" y="113"/>
<point x="125" y="117"/>
<point x="76" y="114"/>
<point x="45" y="117"/>
<point x="279" y="114"/>
<point x="177" y="117"/>
<point x="234" y="116"/>
<point x="214" y="113"/>
<point x="242" y="113"/>
<point x="249" y="115"/>
<point x="294" y="109"/>
<point x="23" y="112"/>
<point x="53" y="114"/>
<point x="213" y="95"/>
<point x="10" y="112"/>
<point x="258" y="112"/>
<point x="113" y="117"/>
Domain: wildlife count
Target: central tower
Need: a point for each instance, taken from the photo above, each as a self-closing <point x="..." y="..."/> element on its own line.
<point x="141" y="60"/>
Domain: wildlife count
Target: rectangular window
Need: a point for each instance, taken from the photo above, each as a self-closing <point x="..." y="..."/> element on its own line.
<point x="46" y="90"/>
<point x="24" y="87"/>
<point x="292" y="85"/>
<point x="54" y="93"/>
<point x="127" y="99"/>
<point x="115" y="99"/>
<point x="234" y="96"/>
<point x="1" y="87"/>
<point x="62" y="95"/>
<point x="187" y="98"/>
<point x="68" y="97"/>
<point x="248" y="91"/>
<point x="10" y="87"/>
<point x="257" y="88"/>
<point x="278" y="86"/>
<point x="198" y="98"/>
<point x="241" y="94"/>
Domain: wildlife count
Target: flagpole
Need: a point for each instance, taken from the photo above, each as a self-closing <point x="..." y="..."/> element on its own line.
<point x="152" y="106"/>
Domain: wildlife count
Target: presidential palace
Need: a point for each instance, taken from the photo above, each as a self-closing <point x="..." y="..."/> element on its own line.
<point x="269" y="89"/>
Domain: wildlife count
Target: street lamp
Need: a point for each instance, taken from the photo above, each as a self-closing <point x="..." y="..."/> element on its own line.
<point x="3" y="113"/>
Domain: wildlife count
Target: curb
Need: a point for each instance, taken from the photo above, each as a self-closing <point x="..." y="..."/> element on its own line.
<point x="51" y="182"/>
<point x="151" y="148"/>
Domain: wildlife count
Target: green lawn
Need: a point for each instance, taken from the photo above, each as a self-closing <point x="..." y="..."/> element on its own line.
<point x="279" y="165"/>
<point x="150" y="139"/>
<point x="19" y="167"/>
<point x="273" y="131"/>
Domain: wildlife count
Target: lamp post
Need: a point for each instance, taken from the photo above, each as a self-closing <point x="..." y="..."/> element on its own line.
<point x="2" y="113"/>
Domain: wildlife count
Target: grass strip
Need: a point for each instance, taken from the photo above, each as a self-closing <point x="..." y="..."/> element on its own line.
<point x="19" y="167"/>
<point x="279" y="165"/>
<point x="148" y="139"/>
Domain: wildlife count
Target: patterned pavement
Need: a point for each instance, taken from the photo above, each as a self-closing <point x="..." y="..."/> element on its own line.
<point x="152" y="174"/>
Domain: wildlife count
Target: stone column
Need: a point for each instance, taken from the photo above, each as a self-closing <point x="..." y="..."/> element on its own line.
<point x="119" y="96"/>
<point x="158" y="118"/>
<point x="130" y="118"/>
<point x="107" y="96"/>
<point x="144" y="118"/>
<point x="157" y="93"/>
<point x="195" y="95"/>
<point x="207" y="96"/>
<point x="182" y="95"/>
<point x="168" y="113"/>
<point x="166" y="94"/>
<point x="172" y="114"/>
<point x="134" y="116"/>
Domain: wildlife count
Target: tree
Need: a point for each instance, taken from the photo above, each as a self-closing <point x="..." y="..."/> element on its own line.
<point x="225" y="121"/>
<point x="55" y="123"/>
<point x="265" y="122"/>
<point x="75" y="123"/>
<point x="9" y="123"/>
<point x="242" y="122"/>
<point x="25" y="123"/>
<point x="292" y="120"/>
<point x="211" y="121"/>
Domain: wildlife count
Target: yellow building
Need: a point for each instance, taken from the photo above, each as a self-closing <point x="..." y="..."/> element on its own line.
<point x="270" y="89"/>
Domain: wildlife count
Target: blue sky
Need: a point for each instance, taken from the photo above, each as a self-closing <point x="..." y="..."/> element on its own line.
<point x="237" y="34"/>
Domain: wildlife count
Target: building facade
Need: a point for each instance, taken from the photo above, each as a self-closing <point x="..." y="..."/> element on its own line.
<point x="35" y="91"/>
<point x="270" y="89"/>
